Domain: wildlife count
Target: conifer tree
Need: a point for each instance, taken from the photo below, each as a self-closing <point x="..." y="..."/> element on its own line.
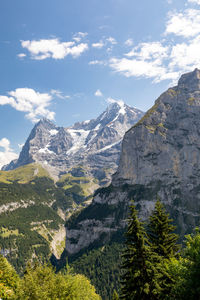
<point x="140" y="278"/>
<point x="115" y="295"/>
<point x="160" y="232"/>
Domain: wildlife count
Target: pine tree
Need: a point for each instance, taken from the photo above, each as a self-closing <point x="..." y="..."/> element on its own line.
<point x="160" y="232"/>
<point x="140" y="278"/>
<point x="115" y="296"/>
<point x="162" y="241"/>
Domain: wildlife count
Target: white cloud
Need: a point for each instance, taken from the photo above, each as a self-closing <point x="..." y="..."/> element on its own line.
<point x="42" y="49"/>
<point x="186" y="23"/>
<point x="148" y="51"/>
<point x="79" y="36"/>
<point x="33" y="103"/>
<point x="159" y="62"/>
<point x="7" y="154"/>
<point x="21" y="55"/>
<point x="76" y="51"/>
<point x="59" y="94"/>
<point x="112" y="40"/>
<point x="195" y="1"/>
<point x="96" y="62"/>
<point x="98" y="93"/>
<point x="98" y="45"/>
<point x="138" y="68"/>
<point x="186" y="55"/>
<point x="145" y="60"/>
<point x="5" y="143"/>
<point x="169" y="58"/>
<point x="129" y="42"/>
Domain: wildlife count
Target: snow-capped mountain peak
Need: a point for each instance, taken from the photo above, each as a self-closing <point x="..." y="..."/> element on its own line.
<point x="93" y="143"/>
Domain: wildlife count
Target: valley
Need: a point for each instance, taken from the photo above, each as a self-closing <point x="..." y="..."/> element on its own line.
<point x="54" y="179"/>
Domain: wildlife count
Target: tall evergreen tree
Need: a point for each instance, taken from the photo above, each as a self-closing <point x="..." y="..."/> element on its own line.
<point x="160" y="232"/>
<point x="115" y="296"/>
<point x="191" y="287"/>
<point x="140" y="278"/>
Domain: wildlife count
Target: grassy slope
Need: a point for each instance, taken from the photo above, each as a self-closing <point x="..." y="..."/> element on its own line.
<point x="23" y="174"/>
<point x="80" y="188"/>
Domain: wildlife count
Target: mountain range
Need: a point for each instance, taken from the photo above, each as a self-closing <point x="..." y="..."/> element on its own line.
<point x="89" y="148"/>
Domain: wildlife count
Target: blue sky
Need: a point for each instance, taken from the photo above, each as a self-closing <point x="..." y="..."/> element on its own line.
<point x="63" y="59"/>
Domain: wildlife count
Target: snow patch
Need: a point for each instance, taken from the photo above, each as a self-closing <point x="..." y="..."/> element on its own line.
<point x="79" y="138"/>
<point x="53" y="132"/>
<point x="97" y="127"/>
<point x="46" y="150"/>
<point x="122" y="110"/>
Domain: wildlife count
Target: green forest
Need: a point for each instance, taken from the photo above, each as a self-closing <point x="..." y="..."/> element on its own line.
<point x="33" y="209"/>
<point x="149" y="264"/>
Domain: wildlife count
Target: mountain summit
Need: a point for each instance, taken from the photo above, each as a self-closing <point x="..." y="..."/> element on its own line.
<point x="190" y="81"/>
<point x="170" y="131"/>
<point x="92" y="145"/>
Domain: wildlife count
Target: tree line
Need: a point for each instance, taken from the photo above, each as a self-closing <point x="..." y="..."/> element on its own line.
<point x="154" y="266"/>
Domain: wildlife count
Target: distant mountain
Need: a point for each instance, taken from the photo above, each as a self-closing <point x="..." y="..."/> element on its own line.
<point x="90" y="148"/>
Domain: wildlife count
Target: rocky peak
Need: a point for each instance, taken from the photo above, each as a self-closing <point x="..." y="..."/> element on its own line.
<point x="190" y="81"/>
<point x="45" y="122"/>
<point x="116" y="108"/>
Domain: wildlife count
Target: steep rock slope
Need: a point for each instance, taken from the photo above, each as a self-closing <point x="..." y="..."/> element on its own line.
<point x="93" y="145"/>
<point x="160" y="158"/>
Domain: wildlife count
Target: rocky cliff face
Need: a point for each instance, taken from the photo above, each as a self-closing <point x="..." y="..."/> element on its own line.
<point x="92" y="145"/>
<point x="160" y="158"/>
<point x="164" y="144"/>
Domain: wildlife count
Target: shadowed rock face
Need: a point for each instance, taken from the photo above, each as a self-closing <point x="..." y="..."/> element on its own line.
<point x="160" y="157"/>
<point x="94" y="145"/>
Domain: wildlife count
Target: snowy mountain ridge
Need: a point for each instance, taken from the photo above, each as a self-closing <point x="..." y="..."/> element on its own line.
<point x="92" y="145"/>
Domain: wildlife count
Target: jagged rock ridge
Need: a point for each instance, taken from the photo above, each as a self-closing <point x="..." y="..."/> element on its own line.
<point x="93" y="144"/>
<point x="160" y="157"/>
